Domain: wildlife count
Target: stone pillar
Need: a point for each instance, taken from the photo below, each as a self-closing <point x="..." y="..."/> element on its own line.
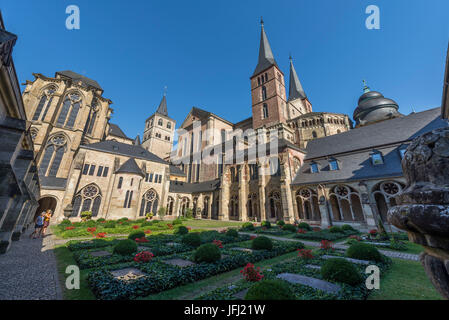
<point x="262" y="207"/>
<point x="367" y="206"/>
<point x="295" y="206"/>
<point x="286" y="194"/>
<point x="243" y="192"/>
<point x="223" y="213"/>
<point x="324" y="206"/>
<point x="423" y="206"/>
<point x="209" y="212"/>
<point x="176" y="205"/>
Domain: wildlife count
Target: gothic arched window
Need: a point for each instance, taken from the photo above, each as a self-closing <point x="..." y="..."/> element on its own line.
<point x="264" y="93"/>
<point x="149" y="203"/>
<point x="88" y="199"/>
<point x="265" y="111"/>
<point x="69" y="110"/>
<point x="93" y="113"/>
<point x="44" y="103"/>
<point x="314" y="135"/>
<point x="54" y="151"/>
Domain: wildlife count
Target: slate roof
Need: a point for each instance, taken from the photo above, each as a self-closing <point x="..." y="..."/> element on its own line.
<point x="353" y="149"/>
<point x="78" y="77"/>
<point x="266" y="58"/>
<point x="184" y="187"/>
<point x="176" y="171"/>
<point x="295" y="89"/>
<point x="377" y="134"/>
<point x="130" y="166"/>
<point x="124" y="149"/>
<point x="162" y="109"/>
<point x="52" y="183"/>
<point x="116" y="131"/>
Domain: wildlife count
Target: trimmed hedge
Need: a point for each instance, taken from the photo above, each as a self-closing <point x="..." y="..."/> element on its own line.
<point x="192" y="239"/>
<point x="125" y="247"/>
<point x="248" y="226"/>
<point x="266" y="224"/>
<point x="289" y="228"/>
<point x="262" y="243"/>
<point x="341" y="270"/>
<point x="207" y="253"/>
<point x="364" y="251"/>
<point x="280" y="223"/>
<point x="305" y="225"/>
<point x="232" y="233"/>
<point x="182" y="230"/>
<point x="336" y="229"/>
<point x="270" y="290"/>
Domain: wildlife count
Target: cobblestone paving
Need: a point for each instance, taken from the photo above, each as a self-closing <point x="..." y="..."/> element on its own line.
<point x="388" y="253"/>
<point x="28" y="270"/>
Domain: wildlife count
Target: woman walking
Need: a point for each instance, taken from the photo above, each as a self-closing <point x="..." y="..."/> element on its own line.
<point x="47" y="217"/>
<point x="39" y="223"/>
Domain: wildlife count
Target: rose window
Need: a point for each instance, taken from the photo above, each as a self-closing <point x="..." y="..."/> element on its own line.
<point x="342" y="191"/>
<point x="390" y="188"/>
<point x="90" y="191"/>
<point x="305" y="193"/>
<point x="149" y="196"/>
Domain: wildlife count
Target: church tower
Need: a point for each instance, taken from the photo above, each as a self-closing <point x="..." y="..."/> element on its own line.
<point x="269" y="102"/>
<point x="298" y="103"/>
<point x="159" y="130"/>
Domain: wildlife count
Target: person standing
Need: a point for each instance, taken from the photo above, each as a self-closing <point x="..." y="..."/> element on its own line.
<point x="38" y="225"/>
<point x="47" y="217"/>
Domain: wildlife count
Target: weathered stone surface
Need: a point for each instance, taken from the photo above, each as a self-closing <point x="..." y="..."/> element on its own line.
<point x="348" y="259"/>
<point x="128" y="274"/>
<point x="241" y="294"/>
<point x="312" y="266"/>
<point x="310" y="282"/>
<point x="180" y="262"/>
<point x="100" y="253"/>
<point x="243" y="249"/>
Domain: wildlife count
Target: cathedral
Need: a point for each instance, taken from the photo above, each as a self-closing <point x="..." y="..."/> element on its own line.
<point x="319" y="168"/>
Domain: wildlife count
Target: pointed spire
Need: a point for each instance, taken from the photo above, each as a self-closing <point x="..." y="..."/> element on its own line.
<point x="162" y="109"/>
<point x="266" y="58"/>
<point x="365" y="87"/>
<point x="137" y="141"/>
<point x="295" y="90"/>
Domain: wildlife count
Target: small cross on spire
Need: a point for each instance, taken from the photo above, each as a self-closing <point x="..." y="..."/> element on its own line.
<point x="365" y="87"/>
<point x="261" y="21"/>
<point x="165" y="91"/>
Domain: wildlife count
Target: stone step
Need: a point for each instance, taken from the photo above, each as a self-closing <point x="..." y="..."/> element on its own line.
<point x="348" y="259"/>
<point x="310" y="282"/>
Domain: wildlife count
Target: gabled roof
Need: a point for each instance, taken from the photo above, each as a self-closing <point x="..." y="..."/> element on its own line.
<point x="203" y="114"/>
<point x="115" y="130"/>
<point x="77" y="77"/>
<point x="295" y="90"/>
<point x="123" y="149"/>
<point x="184" y="187"/>
<point x="130" y="166"/>
<point x="162" y="109"/>
<point x="377" y="134"/>
<point x="266" y="58"/>
<point x="174" y="170"/>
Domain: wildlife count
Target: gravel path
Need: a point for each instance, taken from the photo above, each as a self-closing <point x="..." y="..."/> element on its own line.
<point x="388" y="253"/>
<point x="28" y="270"/>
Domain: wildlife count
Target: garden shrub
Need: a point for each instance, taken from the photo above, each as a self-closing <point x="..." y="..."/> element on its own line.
<point x="110" y="224"/>
<point x="192" y="239"/>
<point x="270" y="290"/>
<point x="189" y="213"/>
<point x="65" y="223"/>
<point x="90" y="223"/>
<point x="341" y="270"/>
<point x="141" y="220"/>
<point x="86" y="215"/>
<point x="146" y="223"/>
<point x="232" y="233"/>
<point x="280" y="223"/>
<point x="125" y="247"/>
<point x="207" y="253"/>
<point x="266" y="224"/>
<point x="248" y="226"/>
<point x="177" y="221"/>
<point x="289" y="227"/>
<point x="347" y="227"/>
<point x="304" y="225"/>
<point x="262" y="243"/>
<point x="335" y="229"/>
<point x="364" y="251"/>
<point x="182" y="230"/>
<point x="136" y="234"/>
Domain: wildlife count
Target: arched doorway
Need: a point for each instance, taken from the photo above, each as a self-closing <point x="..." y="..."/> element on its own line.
<point x="45" y="204"/>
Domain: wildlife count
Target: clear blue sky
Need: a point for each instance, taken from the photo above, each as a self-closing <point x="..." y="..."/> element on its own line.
<point x="205" y="51"/>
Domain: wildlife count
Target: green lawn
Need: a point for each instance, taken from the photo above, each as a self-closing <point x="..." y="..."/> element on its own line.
<point x="406" y="280"/>
<point x="211" y="223"/>
<point x="64" y="258"/>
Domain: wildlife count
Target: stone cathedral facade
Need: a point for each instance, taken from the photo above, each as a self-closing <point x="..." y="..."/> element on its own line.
<point x="325" y="172"/>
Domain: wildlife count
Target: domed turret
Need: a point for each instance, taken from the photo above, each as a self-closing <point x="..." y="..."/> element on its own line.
<point x="374" y="107"/>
